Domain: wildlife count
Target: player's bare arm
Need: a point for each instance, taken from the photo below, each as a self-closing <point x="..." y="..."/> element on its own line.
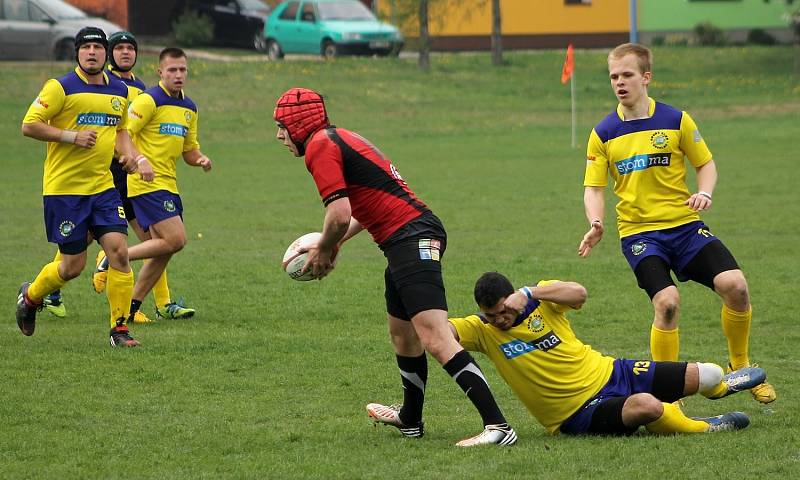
<point x="135" y="161"/>
<point x="196" y="158"/>
<point x="562" y="293"/>
<point x="594" y="204"/>
<point x="706" y="181"/>
<point x="335" y="226"/>
<point x="352" y="230"/>
<point x="48" y="133"/>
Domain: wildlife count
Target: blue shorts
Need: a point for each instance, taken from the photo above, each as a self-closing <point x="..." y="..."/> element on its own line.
<point x="627" y="377"/>
<point x="69" y="218"/>
<point x="677" y="246"/>
<point x="153" y="207"/>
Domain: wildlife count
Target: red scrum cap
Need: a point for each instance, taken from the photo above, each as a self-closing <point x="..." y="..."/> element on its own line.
<point x="302" y="112"/>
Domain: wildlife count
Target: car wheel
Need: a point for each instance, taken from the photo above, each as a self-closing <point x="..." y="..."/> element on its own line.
<point x="259" y="42"/>
<point x="329" y="49"/>
<point x="65" y="50"/>
<point x="274" y="51"/>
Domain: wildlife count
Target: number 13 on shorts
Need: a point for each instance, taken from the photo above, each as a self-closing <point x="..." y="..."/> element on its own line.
<point x="640" y="367"/>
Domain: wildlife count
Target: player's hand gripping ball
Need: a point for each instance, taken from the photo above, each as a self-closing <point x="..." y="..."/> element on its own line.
<point x="293" y="259"/>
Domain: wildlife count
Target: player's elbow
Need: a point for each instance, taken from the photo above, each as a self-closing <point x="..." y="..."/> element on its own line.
<point x="27" y="129"/>
<point x="580" y="295"/>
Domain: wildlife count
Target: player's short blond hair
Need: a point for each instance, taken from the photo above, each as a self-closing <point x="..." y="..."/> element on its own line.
<point x="644" y="57"/>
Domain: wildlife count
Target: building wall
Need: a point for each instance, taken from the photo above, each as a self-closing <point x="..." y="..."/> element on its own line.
<point x="672" y="15"/>
<point x="114" y="10"/>
<point x="467" y="24"/>
<point x="526" y="17"/>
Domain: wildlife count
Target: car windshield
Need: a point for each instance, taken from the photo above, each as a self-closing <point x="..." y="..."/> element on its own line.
<point x="61" y="10"/>
<point x="348" y="10"/>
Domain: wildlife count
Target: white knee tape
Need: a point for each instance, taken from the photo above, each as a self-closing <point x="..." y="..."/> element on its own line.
<point x="710" y="376"/>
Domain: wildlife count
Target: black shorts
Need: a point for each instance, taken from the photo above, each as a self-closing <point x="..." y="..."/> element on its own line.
<point x="79" y="246"/>
<point x="602" y="413"/>
<point x="668" y="384"/>
<point x="414" y="277"/>
<point x="653" y="273"/>
<point x="121" y="184"/>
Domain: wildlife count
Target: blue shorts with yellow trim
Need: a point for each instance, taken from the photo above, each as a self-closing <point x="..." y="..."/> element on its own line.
<point x="69" y="218"/>
<point x="153" y="207"/>
<point x="627" y="377"/>
<point x="677" y="246"/>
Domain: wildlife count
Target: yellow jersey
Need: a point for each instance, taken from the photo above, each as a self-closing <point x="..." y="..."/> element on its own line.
<point x="548" y="368"/>
<point x="71" y="103"/>
<point x="162" y="128"/>
<point x="645" y="158"/>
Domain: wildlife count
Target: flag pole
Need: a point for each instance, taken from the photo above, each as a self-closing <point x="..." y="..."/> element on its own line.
<point x="572" y="95"/>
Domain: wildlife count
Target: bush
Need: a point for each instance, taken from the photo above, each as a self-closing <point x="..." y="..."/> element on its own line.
<point x="192" y="28"/>
<point x="760" y="37"/>
<point x="676" y="40"/>
<point x="708" y="34"/>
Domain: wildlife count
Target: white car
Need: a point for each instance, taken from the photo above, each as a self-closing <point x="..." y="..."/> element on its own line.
<point x="43" y="29"/>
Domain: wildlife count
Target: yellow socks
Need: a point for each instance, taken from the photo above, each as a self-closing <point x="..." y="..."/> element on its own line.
<point x="46" y="282"/>
<point x="717" y="391"/>
<point x="736" y="326"/>
<point x="57" y="257"/>
<point x="119" y="291"/>
<point x="674" y="421"/>
<point x="664" y="344"/>
<point x="161" y="291"/>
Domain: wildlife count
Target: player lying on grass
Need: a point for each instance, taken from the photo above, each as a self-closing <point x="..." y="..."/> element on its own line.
<point x="573" y="389"/>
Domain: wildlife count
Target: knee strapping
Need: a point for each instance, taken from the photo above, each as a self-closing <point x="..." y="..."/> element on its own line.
<point x="710" y="375"/>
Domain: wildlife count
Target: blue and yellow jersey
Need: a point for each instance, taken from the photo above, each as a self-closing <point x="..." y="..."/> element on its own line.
<point x="69" y="102"/>
<point x="162" y="128"/>
<point x="645" y="158"/>
<point x="548" y="368"/>
<point x="135" y="85"/>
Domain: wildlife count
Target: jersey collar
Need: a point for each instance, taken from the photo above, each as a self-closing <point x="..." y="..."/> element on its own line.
<point x="117" y="74"/>
<point x="650" y="110"/>
<point x="180" y="94"/>
<point x="82" y="76"/>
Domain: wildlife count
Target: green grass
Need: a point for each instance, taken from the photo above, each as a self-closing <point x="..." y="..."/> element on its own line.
<point x="270" y="378"/>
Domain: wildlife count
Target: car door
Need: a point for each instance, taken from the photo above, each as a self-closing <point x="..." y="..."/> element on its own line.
<point x="308" y="29"/>
<point x="22" y="36"/>
<point x="225" y="14"/>
<point x="285" y="27"/>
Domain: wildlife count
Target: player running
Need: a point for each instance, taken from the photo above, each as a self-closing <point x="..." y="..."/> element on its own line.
<point x="125" y="49"/>
<point x="82" y="117"/>
<point x="163" y="124"/>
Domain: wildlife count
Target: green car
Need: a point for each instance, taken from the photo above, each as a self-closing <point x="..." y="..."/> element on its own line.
<point x="329" y="28"/>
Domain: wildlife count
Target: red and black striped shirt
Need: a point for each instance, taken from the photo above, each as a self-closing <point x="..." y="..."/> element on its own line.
<point x="345" y="164"/>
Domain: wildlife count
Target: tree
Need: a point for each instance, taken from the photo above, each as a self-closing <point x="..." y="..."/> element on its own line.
<point x="424" y="37"/>
<point x="497" y="34"/>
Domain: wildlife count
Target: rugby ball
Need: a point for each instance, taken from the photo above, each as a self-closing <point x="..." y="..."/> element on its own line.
<point x="294" y="260"/>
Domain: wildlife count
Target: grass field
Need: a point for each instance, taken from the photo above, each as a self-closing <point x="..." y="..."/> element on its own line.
<point x="270" y="379"/>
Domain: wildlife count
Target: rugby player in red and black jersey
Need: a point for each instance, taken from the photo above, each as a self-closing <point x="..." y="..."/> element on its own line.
<point x="361" y="189"/>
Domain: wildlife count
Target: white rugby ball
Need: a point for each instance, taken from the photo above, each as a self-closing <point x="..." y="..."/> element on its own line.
<point x="293" y="260"/>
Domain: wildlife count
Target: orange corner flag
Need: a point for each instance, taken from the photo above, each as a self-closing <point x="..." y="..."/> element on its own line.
<point x="569" y="65"/>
